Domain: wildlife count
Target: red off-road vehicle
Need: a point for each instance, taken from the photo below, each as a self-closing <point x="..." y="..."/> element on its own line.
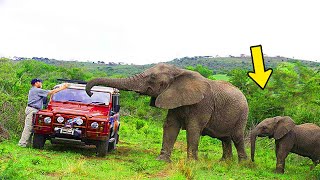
<point x="73" y="117"/>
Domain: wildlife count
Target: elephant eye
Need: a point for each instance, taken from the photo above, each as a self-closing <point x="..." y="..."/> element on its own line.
<point x="152" y="79"/>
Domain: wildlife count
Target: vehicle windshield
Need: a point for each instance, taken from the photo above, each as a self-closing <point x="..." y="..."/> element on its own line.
<point x="80" y="95"/>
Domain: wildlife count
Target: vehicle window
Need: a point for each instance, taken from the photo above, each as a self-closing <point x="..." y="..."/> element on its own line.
<point x="79" y="95"/>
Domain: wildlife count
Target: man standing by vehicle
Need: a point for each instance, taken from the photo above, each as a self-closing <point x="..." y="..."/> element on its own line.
<point x="35" y="102"/>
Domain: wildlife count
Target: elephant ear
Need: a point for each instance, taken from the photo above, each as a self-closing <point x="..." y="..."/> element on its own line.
<point x="283" y="126"/>
<point x="186" y="89"/>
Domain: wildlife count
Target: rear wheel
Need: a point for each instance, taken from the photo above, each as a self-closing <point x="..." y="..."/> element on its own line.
<point x="38" y="141"/>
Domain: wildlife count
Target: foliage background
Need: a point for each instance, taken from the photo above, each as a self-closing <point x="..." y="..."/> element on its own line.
<point x="293" y="90"/>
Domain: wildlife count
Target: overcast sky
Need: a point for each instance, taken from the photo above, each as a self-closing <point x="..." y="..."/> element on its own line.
<point x="146" y="31"/>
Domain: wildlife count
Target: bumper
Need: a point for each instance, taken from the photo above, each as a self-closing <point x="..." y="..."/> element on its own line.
<point x="70" y="133"/>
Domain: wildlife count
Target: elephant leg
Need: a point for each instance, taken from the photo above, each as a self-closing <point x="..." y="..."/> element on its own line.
<point x="193" y="137"/>
<point x="171" y="130"/>
<point x="226" y="148"/>
<point x="282" y="152"/>
<point x="238" y="141"/>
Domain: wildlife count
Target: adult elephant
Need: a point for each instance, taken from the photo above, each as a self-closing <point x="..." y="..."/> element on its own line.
<point x="195" y="104"/>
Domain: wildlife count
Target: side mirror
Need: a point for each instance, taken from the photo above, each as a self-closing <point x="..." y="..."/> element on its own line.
<point x="117" y="108"/>
<point x="115" y="103"/>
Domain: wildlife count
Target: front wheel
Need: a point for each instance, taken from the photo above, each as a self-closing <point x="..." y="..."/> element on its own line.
<point x="113" y="142"/>
<point x="102" y="148"/>
<point x="38" y="141"/>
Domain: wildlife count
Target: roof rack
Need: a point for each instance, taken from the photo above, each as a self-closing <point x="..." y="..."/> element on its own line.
<point x="72" y="81"/>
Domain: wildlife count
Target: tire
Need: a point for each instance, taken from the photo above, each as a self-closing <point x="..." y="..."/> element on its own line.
<point x="102" y="148"/>
<point x="113" y="145"/>
<point x="38" y="141"/>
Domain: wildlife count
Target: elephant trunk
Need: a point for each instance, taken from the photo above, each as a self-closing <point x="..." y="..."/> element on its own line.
<point x="133" y="83"/>
<point x="253" y="138"/>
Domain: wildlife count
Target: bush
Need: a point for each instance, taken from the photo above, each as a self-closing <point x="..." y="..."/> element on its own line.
<point x="203" y="70"/>
<point x="293" y="90"/>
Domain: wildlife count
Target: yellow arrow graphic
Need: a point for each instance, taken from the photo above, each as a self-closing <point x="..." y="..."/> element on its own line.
<point x="259" y="75"/>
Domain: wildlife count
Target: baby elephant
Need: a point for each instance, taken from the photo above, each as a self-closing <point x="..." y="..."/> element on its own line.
<point x="301" y="139"/>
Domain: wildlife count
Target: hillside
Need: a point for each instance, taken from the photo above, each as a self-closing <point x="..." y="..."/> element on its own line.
<point x="219" y="65"/>
<point x="222" y="65"/>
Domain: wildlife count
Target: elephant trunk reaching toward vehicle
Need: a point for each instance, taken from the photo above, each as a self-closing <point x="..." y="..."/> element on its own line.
<point x="196" y="104"/>
<point x="131" y="83"/>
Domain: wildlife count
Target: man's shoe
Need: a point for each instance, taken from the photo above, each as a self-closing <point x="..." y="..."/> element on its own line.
<point x="22" y="145"/>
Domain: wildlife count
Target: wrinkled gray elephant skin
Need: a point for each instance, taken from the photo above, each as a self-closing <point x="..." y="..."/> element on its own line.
<point x="196" y="104"/>
<point x="301" y="139"/>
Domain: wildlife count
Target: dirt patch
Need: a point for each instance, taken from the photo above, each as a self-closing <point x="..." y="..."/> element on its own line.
<point x="151" y="151"/>
<point x="83" y="150"/>
<point x="4" y="134"/>
<point x="163" y="173"/>
<point x="54" y="174"/>
<point x="44" y="156"/>
<point x="182" y="146"/>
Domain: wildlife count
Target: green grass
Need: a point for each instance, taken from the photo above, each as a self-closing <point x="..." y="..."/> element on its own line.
<point x="135" y="158"/>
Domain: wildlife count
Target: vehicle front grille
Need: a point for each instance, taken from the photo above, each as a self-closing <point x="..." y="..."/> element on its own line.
<point x="70" y="121"/>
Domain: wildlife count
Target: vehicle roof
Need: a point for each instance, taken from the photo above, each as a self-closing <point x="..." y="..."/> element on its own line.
<point x="94" y="88"/>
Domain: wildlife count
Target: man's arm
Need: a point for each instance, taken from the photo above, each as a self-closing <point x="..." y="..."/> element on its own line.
<point x="64" y="86"/>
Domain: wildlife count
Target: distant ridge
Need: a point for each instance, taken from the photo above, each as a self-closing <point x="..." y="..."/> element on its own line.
<point x="225" y="64"/>
<point x="219" y="65"/>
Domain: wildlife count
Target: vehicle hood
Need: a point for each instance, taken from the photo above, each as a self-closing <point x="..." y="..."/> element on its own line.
<point x="79" y="109"/>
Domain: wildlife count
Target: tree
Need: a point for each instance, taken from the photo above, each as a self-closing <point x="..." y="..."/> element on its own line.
<point x="203" y="70"/>
<point x="239" y="78"/>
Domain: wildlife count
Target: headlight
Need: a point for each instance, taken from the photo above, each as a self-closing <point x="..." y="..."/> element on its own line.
<point x="47" y="120"/>
<point x="79" y="121"/>
<point x="94" y="125"/>
<point x="60" y="119"/>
